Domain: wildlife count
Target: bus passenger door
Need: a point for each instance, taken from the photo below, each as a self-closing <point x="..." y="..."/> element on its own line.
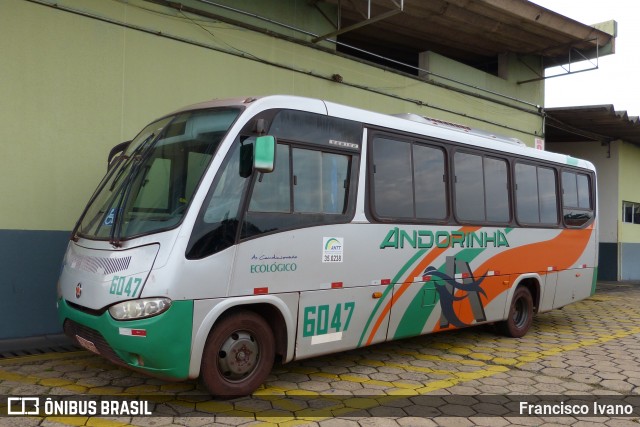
<point x="334" y="320"/>
<point x="418" y="311"/>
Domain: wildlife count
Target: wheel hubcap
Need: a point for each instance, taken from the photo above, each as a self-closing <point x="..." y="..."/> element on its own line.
<point x="238" y="356"/>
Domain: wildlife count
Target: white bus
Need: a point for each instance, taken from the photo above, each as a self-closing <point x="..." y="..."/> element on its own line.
<point x="234" y="233"/>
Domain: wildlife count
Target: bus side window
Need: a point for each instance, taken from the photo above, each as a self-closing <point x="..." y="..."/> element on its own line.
<point x="409" y="180"/>
<point x="576" y="199"/>
<point x="319" y="181"/>
<point x="217" y="223"/>
<point x="308" y="187"/>
<point x="481" y="188"/>
<point x="469" y="187"/>
<point x="272" y="191"/>
<point x="392" y="178"/>
<point x="430" y="182"/>
<point x="536" y="198"/>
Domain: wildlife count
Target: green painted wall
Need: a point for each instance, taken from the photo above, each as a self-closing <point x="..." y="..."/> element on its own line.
<point x="488" y="86"/>
<point x="629" y="177"/>
<point x="74" y="86"/>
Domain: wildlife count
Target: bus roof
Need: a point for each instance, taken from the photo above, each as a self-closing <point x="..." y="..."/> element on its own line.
<point x="410" y="123"/>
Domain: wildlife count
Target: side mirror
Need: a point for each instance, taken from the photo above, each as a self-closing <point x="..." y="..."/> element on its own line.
<point x="264" y="155"/>
<point x="116" y="152"/>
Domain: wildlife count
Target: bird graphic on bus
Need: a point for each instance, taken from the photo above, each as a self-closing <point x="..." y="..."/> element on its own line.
<point x="449" y="286"/>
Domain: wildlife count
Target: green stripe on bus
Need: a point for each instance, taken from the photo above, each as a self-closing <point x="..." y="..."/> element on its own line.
<point x="388" y="290"/>
<point x="415" y="316"/>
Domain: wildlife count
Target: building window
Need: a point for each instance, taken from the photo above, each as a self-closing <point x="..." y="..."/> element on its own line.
<point x="631" y="212"/>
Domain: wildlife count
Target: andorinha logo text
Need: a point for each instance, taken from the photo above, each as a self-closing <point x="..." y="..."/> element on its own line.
<point x="397" y="238"/>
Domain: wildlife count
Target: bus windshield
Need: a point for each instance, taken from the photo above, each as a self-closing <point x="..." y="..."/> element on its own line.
<point x="152" y="183"/>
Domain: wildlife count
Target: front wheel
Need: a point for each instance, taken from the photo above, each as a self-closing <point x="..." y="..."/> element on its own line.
<point x="238" y="355"/>
<point x="520" y="314"/>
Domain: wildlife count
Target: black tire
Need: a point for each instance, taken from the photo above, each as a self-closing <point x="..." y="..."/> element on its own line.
<point x="520" y="314"/>
<point x="238" y="355"/>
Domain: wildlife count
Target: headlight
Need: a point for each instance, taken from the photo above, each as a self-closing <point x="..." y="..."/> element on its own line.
<point x="139" y="308"/>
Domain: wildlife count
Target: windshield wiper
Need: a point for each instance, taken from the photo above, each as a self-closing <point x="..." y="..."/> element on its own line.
<point x="132" y="157"/>
<point x="138" y="157"/>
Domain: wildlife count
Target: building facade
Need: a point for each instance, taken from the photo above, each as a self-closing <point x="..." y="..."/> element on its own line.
<point x="611" y="141"/>
<point x="80" y="76"/>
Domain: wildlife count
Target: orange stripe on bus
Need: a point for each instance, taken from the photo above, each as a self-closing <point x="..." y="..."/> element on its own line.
<point x="562" y="251"/>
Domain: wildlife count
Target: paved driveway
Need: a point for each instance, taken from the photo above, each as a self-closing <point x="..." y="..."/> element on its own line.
<point x="468" y="377"/>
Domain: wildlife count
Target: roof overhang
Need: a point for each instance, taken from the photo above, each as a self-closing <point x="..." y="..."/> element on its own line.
<point x="471" y="30"/>
<point x="591" y="123"/>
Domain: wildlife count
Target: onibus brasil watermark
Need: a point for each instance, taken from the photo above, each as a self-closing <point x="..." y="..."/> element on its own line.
<point x="47" y="406"/>
<point x="477" y="405"/>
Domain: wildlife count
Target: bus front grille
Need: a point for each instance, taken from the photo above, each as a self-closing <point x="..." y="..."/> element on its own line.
<point x="91" y="340"/>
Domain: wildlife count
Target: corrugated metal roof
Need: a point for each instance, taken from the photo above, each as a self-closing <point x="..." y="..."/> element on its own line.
<point x="471" y="30"/>
<point x="591" y="123"/>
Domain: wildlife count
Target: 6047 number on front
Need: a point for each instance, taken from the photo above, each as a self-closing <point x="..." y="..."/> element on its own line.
<point x="121" y="285"/>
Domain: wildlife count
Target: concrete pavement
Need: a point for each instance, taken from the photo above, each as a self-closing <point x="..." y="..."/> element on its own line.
<point x="461" y="378"/>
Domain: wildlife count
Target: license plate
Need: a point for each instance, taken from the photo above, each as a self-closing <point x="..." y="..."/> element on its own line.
<point x="87" y="344"/>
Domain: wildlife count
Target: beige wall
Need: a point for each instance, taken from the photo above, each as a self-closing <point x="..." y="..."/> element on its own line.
<point x="606" y="161"/>
<point x="629" y="175"/>
<point x="72" y="87"/>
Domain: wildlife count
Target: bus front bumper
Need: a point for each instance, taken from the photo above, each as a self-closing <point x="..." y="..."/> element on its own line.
<point x="159" y="345"/>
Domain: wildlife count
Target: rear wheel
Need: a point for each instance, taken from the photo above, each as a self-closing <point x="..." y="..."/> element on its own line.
<point x="238" y="355"/>
<point x="520" y="314"/>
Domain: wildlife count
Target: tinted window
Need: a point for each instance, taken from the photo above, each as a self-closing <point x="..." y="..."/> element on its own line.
<point x="429" y="182"/>
<point x="496" y="190"/>
<point x="576" y="198"/>
<point x="584" y="192"/>
<point x="317" y="129"/>
<point x="569" y="189"/>
<point x="547" y="194"/>
<point x="409" y="180"/>
<point x="217" y="223"/>
<point x="307" y="187"/>
<point x="536" y="198"/>
<point x="527" y="194"/>
<point x="392" y="178"/>
<point x="482" y="191"/>
<point x="469" y="187"/>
